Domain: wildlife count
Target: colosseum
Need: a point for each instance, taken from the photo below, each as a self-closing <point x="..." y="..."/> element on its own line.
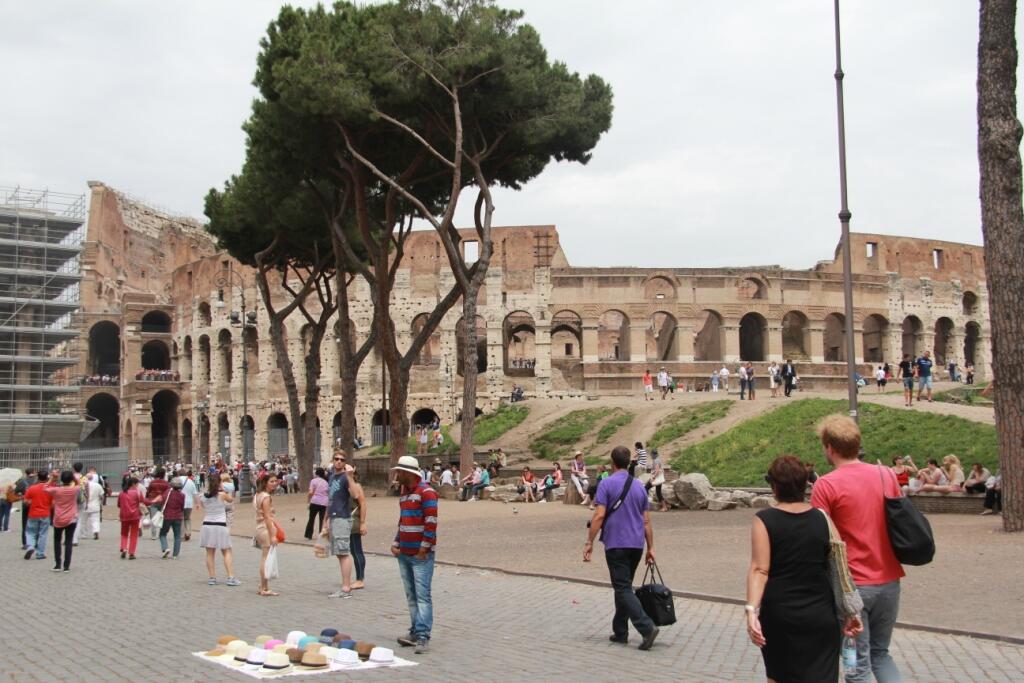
<point x="170" y="367"/>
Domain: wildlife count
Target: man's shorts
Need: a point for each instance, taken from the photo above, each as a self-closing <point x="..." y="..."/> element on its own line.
<point x="924" y="382"/>
<point x="908" y="383"/>
<point x="649" y="388"/>
<point x="340" y="535"/>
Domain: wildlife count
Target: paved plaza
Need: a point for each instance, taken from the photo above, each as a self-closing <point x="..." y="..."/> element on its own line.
<point x="118" y="620"/>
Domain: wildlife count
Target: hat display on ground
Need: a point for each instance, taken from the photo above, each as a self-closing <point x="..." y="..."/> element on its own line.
<point x="295" y="655"/>
<point x="262" y="640"/>
<point x="257" y="657"/>
<point x="231" y="650"/>
<point x="340" y="637"/>
<point x="346" y="658"/>
<point x="328" y="633"/>
<point x="242" y="655"/>
<point x="281" y="649"/>
<point x="218" y="651"/>
<point x="306" y="641"/>
<point x="313" y="660"/>
<point x="277" y="663"/>
<point x="382" y="655"/>
<point x="224" y="640"/>
<point x="328" y="651"/>
<point x="347" y="644"/>
<point x="294" y="637"/>
<point x="364" y="648"/>
<point x="271" y="644"/>
<point x="315" y="647"/>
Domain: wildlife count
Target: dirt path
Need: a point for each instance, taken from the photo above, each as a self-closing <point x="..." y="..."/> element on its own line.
<point x="895" y="400"/>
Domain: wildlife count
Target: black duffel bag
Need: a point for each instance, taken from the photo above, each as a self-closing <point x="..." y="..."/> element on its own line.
<point x="656" y="598"/>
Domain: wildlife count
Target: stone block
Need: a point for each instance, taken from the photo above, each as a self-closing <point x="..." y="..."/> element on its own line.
<point x="744" y="498"/>
<point x="762" y="502"/>
<point x="694" y="490"/>
<point x="719" y="504"/>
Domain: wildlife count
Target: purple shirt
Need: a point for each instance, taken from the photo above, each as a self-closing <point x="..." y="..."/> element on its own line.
<point x="318" y="487"/>
<point x="625" y="527"/>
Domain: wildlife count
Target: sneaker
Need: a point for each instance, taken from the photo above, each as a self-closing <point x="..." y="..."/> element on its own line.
<point x="542" y="501"/>
<point x="649" y="639"/>
<point x="40" y="557"/>
<point x="131" y="557"/>
<point x="407" y="641"/>
<point x="232" y="581"/>
<point x="618" y="639"/>
<point x="29" y="553"/>
<point x="66" y="569"/>
<point x="211" y="582"/>
<point x="341" y="594"/>
<point x="166" y="554"/>
<point x="422" y="646"/>
<point x="987" y="512"/>
<point x="124" y="554"/>
<point x="54" y="569"/>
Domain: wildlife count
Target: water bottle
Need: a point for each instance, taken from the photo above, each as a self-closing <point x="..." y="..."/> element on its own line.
<point x="849" y="653"/>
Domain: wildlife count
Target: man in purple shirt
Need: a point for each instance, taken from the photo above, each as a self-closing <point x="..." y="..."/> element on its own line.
<point x="626" y="528"/>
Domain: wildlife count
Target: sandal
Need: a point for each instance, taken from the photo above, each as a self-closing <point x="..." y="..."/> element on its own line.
<point x="268" y="593"/>
<point x="356" y="585"/>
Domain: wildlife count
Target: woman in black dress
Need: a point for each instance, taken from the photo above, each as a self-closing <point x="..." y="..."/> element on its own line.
<point x="791" y="614"/>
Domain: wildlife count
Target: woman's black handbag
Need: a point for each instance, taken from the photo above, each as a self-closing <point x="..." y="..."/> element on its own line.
<point x="656" y="598"/>
<point x="909" y="532"/>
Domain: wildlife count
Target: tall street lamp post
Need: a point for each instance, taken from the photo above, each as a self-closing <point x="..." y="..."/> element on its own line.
<point x="844" y="222"/>
<point x="245" y="319"/>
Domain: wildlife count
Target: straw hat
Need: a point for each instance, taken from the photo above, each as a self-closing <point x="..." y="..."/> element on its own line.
<point x="295" y="655"/>
<point x="364" y="648"/>
<point x="313" y="660"/>
<point x="328" y="651"/>
<point x="256" y="659"/>
<point x="224" y="640"/>
<point x="408" y="463"/>
<point x="281" y="649"/>
<point x="315" y="647"/>
<point x="216" y="652"/>
<point x="271" y="644"/>
<point x="262" y="640"/>
<point x="277" y="663"/>
<point x="241" y="655"/>
<point x="230" y="650"/>
<point x="340" y="637"/>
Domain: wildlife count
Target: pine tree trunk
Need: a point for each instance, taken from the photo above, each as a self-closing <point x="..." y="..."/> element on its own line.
<point x="310" y="457"/>
<point x="349" y="369"/>
<point x="1002" y="222"/>
<point x="469" y="378"/>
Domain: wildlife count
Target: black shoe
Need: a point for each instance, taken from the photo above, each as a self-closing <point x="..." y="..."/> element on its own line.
<point x="29" y="553"/>
<point x="618" y="639"/>
<point x="124" y="554"/>
<point x="407" y="641"/>
<point x="649" y="639"/>
<point x="131" y="557"/>
<point x="422" y="646"/>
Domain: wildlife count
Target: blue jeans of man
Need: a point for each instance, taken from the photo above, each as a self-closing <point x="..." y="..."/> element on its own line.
<point x="417" y="575"/>
<point x="171" y="525"/>
<point x="5" y="515"/>
<point x="35" y="537"/>
<point x="622" y="564"/>
<point x="881" y="607"/>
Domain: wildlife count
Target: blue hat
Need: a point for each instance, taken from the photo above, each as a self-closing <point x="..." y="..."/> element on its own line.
<point x="347" y="645"/>
<point x="308" y="640"/>
<point x="327" y="635"/>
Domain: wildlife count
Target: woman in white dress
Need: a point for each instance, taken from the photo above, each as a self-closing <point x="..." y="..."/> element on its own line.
<point x="215" y="534"/>
<point x="93" y="504"/>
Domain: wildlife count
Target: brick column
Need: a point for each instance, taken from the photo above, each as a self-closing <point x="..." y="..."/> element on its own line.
<point x="542" y="345"/>
<point x="589" y="352"/>
<point x="817" y="344"/>
<point x="638" y="342"/>
<point x="730" y="332"/>
<point x="774" y="343"/>
<point x="684" y="342"/>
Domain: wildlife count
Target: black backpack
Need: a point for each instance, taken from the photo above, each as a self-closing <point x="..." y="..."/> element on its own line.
<point x="909" y="532"/>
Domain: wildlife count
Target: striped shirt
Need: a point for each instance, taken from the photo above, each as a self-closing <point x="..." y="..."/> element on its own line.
<point x="417" y="524"/>
<point x="641" y="457"/>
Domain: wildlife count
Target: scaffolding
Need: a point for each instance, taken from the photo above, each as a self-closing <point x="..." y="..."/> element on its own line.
<point x="41" y="235"/>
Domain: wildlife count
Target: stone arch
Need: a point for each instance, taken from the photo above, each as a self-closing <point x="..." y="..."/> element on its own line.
<point x="519" y="348"/>
<point x="970" y="304"/>
<point x="204" y="357"/>
<point x="566" y="336"/>
<point x="707" y="341"/>
<point x="944" y="330"/>
<point x="751" y="288"/>
<point x="186" y="362"/>
<point x="205" y="315"/>
<point x="156" y="321"/>
<point x="248" y="437"/>
<point x="481" y="345"/>
<point x="972" y="336"/>
<point x="613" y="335"/>
<point x="753" y="337"/>
<point x="105" y="349"/>
<point x="224" y="435"/>
<point x="164" y="428"/>
<point x="155" y="355"/>
<point x="186" y="439"/>
<point x="226" y="355"/>
<point x="876" y="339"/>
<point x="336" y="429"/>
<point x="430" y="354"/>
<point x="659" y="288"/>
<point x="661" y="339"/>
<point x="107" y="409"/>
<point x="424" y="417"/>
<point x="833" y="340"/>
<point x="912" y="335"/>
<point x="796" y="336"/>
<point x="277" y="434"/>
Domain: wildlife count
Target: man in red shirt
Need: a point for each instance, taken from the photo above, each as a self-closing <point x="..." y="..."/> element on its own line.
<point x="853" y="496"/>
<point x="414" y="546"/>
<point x="39" y="502"/>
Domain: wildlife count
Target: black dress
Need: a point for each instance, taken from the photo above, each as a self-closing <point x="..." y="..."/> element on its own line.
<point x="798" y="613"/>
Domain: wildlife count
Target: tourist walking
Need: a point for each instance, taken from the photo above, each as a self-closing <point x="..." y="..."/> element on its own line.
<point x="65" y="518"/>
<point x="657" y="479"/>
<point x="624" y="528"/>
<point x="317" y="498"/>
<point x="751" y="384"/>
<point x="130" y="506"/>
<point x="907" y="374"/>
<point x="38" y="502"/>
<point x="339" y="515"/>
<point x="189" y="490"/>
<point x="924" y="375"/>
<point x="216" y="534"/>
<point x="663" y="382"/>
<point x="648" y="383"/>
<point x="174" y="514"/>
<point x="81" y="483"/>
<point x="20" y="487"/>
<point x="358" y="528"/>
<point x="268" y="532"/>
<point x="93" y="505"/>
<point x="156" y="493"/>
<point x="414" y="546"/>
<point x="741" y="372"/>
<point x="790" y="610"/>
<point x="853" y="496"/>
<point x="723" y="376"/>
<point x="788" y="376"/>
<point x="7" y="499"/>
<point x="714" y="381"/>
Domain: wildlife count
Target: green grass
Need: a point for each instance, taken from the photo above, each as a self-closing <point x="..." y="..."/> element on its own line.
<point x="492" y="426"/>
<point x="741" y="456"/>
<point x="686" y="419"/>
<point x="968" y="395"/>
<point x="448" y="447"/>
<point x="564" y="433"/>
<point x="614" y="424"/>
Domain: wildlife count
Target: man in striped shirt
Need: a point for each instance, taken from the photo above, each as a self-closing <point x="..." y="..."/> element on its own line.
<point x="414" y="546"/>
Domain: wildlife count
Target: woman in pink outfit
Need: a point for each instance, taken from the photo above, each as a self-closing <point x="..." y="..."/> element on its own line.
<point x="130" y="505"/>
<point x="65" y="518"/>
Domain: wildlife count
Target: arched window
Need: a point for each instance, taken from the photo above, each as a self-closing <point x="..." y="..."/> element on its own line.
<point x="613" y="336"/>
<point x="520" y="351"/>
<point x="164" y="414"/>
<point x="876" y="339"/>
<point x="277" y="434"/>
<point x="226" y="355"/>
<point x="661" y="341"/>
<point x="205" y="317"/>
<point x="795" y="334"/>
<point x="155" y="356"/>
<point x="753" y="330"/>
<point x="834" y="342"/>
<point x="912" y="335"/>
<point x="707" y="342"/>
<point x="105" y="349"/>
<point x="156" y="321"/>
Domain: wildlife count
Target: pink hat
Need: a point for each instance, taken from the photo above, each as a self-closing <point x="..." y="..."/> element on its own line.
<point x="270" y="644"/>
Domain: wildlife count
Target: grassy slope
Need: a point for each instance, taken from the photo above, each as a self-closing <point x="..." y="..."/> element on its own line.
<point x="614" y="424"/>
<point x="559" y="439"/>
<point x="686" y="419"/>
<point x="741" y="456"/>
<point x="490" y="427"/>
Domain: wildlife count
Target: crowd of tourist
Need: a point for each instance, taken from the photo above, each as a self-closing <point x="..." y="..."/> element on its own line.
<point x="99" y="380"/>
<point x="157" y="376"/>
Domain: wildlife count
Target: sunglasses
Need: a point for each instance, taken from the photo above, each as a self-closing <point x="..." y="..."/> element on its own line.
<point x="341" y="459"/>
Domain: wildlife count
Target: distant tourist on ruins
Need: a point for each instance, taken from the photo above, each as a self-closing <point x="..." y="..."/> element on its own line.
<point x="527" y="485"/>
<point x="714" y="381"/>
<point x="624" y="529"/>
<point x="648" y="384"/>
<point x="663" y="382"/>
<point x="723" y="376"/>
<point x="751" y="386"/>
<point x="773" y="379"/>
<point x="638" y="465"/>
<point x="907" y="373"/>
<point x="741" y="373"/>
<point x="977" y="478"/>
<point x="657" y="479"/>
<point x="788" y="376"/>
<point x="414" y="545"/>
<point x="551" y="483"/>
<point x="852" y="495"/>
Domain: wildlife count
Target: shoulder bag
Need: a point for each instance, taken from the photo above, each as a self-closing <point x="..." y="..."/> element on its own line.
<point x="909" y="532"/>
<point x="848" y="600"/>
<point x="158" y="519"/>
<point x="656" y="598"/>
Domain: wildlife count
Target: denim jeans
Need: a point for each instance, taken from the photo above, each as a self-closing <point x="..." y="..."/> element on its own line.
<point x="175" y="525"/>
<point x="355" y="546"/>
<point x="881" y="606"/>
<point x="622" y="564"/>
<point x="35" y="537"/>
<point x="67" y="535"/>
<point x="417" y="576"/>
<point x="5" y="515"/>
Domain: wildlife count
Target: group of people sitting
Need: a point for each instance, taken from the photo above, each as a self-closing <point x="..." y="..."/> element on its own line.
<point x="99" y="380"/>
<point x="949" y="477"/>
<point x="157" y="376"/>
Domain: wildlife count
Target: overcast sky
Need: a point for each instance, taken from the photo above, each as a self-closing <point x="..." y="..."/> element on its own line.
<point x="722" y="149"/>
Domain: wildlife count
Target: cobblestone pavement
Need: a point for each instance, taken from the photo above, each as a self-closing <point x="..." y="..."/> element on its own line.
<point x="117" y="620"/>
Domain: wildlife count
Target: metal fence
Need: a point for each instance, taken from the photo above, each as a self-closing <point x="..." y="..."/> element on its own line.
<point x="109" y="462"/>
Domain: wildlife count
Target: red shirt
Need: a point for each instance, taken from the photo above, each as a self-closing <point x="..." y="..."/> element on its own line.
<point x="65" y="509"/>
<point x="39" y="500"/>
<point x="852" y="495"/>
<point x="417" y="522"/>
